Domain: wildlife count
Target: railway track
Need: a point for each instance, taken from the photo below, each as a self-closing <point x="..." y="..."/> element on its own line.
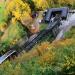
<point x="52" y="28"/>
<point x="31" y="42"/>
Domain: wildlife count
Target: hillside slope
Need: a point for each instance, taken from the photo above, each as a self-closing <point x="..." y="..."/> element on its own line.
<point x="45" y="59"/>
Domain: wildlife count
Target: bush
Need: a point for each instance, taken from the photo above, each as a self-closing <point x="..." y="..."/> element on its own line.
<point x="13" y="34"/>
<point x="40" y="4"/>
<point x="3" y="17"/>
<point x="21" y="8"/>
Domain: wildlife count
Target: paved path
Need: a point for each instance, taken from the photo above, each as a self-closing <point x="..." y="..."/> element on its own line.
<point x="66" y="26"/>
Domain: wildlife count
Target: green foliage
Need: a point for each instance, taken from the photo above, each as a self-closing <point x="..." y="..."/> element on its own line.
<point x="56" y="60"/>
<point x="32" y="5"/>
<point x="43" y="26"/>
<point x="4" y="46"/>
<point x="12" y="36"/>
<point x="11" y="70"/>
<point x="71" y="33"/>
<point x="46" y="59"/>
<point x="3" y="17"/>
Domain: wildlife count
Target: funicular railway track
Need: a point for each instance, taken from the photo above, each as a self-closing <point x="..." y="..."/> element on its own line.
<point x="52" y="28"/>
<point x="30" y="43"/>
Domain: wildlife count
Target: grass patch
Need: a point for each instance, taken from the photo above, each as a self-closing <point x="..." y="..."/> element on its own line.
<point x="71" y="33"/>
<point x="43" y="26"/>
<point x="12" y="35"/>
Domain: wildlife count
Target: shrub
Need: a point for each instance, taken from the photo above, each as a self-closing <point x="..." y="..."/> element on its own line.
<point x="12" y="35"/>
<point x="40" y="4"/>
<point x="18" y="8"/>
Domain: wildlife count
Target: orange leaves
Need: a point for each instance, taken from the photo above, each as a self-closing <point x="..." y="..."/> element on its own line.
<point x="47" y="58"/>
<point x="42" y="48"/>
<point x="47" y="55"/>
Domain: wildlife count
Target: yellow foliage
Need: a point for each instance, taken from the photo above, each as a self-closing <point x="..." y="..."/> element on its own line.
<point x="69" y="62"/>
<point x="19" y="9"/>
<point x="18" y="70"/>
<point x="66" y="1"/>
<point x="25" y="16"/>
<point x="41" y="4"/>
<point x="16" y="14"/>
<point x="8" y="69"/>
<point x="13" y="21"/>
<point x="64" y="42"/>
<point x="3" y="26"/>
<point x="14" y="41"/>
<point x="52" y="3"/>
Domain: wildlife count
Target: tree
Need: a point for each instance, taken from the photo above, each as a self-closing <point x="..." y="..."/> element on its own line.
<point x="18" y="9"/>
<point x="41" y="4"/>
<point x="31" y="4"/>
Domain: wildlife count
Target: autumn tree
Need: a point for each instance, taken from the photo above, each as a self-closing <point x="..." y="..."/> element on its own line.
<point x="19" y="10"/>
<point x="41" y="4"/>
